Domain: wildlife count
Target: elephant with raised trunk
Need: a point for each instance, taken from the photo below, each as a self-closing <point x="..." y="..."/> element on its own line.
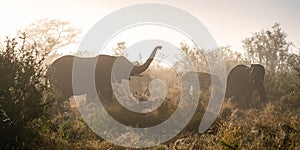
<point x="61" y="73"/>
<point x="242" y="81"/>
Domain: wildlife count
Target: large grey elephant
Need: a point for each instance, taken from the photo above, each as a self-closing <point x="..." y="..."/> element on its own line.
<point x="60" y="73"/>
<point x="242" y="81"/>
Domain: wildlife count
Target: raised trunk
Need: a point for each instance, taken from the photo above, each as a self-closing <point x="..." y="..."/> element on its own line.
<point x="140" y="69"/>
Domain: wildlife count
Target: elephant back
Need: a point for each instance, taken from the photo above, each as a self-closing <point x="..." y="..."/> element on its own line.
<point x="237" y="81"/>
<point x="60" y="74"/>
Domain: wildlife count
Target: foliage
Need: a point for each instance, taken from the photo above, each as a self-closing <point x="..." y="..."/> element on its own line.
<point x="270" y="48"/>
<point x="192" y="55"/>
<point x="25" y="97"/>
<point x="198" y="57"/>
<point x="272" y="125"/>
<point x="120" y="50"/>
<point x="52" y="35"/>
<point x="22" y="91"/>
<point x="267" y="127"/>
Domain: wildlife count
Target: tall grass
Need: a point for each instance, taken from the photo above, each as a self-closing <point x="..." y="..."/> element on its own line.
<point x="271" y="125"/>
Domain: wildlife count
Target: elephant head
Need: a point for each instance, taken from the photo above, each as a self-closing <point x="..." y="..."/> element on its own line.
<point x="61" y="71"/>
<point x="140" y="69"/>
<point x="242" y="81"/>
<point x="121" y="66"/>
<point x="257" y="76"/>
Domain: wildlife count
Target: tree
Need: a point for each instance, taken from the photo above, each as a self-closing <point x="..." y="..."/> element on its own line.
<point x="25" y="94"/>
<point x="294" y="61"/>
<point x="195" y="56"/>
<point x="52" y="35"/>
<point x="120" y="50"/>
<point x="22" y="96"/>
<point x="198" y="57"/>
<point x="232" y="58"/>
<point x="270" y="48"/>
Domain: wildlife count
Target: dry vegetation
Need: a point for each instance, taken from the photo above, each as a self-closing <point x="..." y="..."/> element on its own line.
<point x="261" y="126"/>
<point x="271" y="125"/>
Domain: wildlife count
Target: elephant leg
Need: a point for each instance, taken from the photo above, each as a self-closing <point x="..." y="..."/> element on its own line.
<point x="261" y="91"/>
<point x="248" y="97"/>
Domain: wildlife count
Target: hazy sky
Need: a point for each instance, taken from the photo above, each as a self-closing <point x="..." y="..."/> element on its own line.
<point x="228" y="21"/>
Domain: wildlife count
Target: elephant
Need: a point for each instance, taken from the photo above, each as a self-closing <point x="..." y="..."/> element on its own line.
<point x="205" y="80"/>
<point x="60" y="74"/>
<point x="242" y="81"/>
<point x="209" y="84"/>
<point x="139" y="86"/>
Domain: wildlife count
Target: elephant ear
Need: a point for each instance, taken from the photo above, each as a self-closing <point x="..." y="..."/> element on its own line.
<point x="258" y="71"/>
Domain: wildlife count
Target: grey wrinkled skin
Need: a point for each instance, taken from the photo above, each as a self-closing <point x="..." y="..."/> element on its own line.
<point x="60" y="73"/>
<point x="242" y="81"/>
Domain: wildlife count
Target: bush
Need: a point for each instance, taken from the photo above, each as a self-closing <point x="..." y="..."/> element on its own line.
<point x="22" y="91"/>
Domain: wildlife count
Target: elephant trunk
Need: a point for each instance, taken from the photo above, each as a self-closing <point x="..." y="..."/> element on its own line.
<point x="140" y="69"/>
